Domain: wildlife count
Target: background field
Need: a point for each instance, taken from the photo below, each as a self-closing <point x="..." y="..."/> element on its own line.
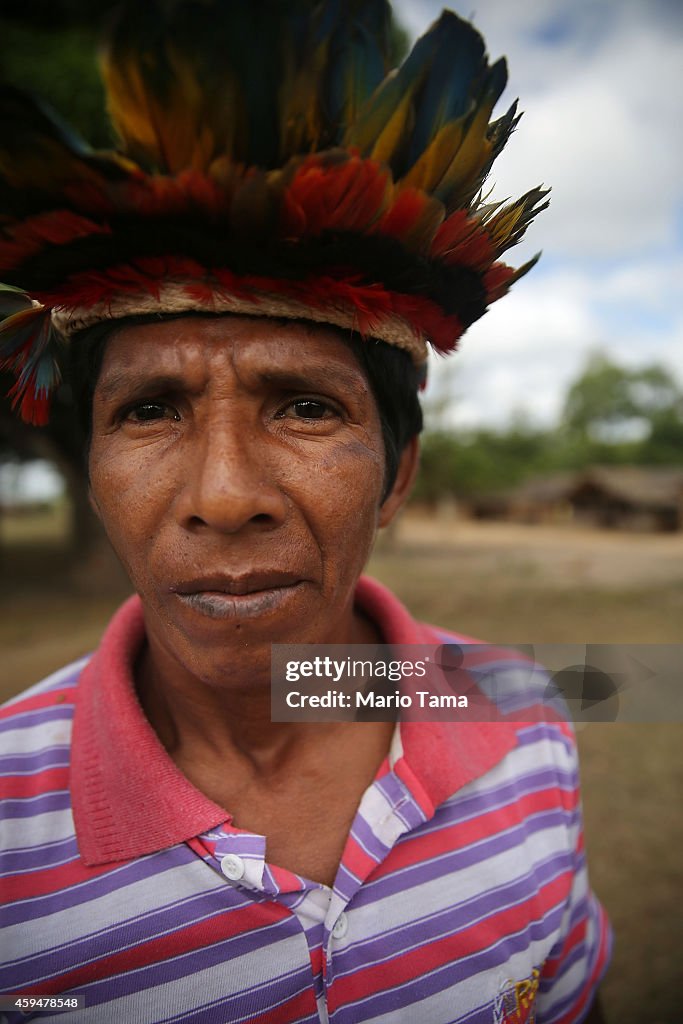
<point x="505" y="584"/>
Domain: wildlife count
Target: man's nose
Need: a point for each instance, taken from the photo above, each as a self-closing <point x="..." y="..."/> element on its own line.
<point x="230" y="483"/>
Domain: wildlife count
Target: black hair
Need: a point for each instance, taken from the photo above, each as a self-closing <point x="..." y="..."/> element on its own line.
<point x="393" y="378"/>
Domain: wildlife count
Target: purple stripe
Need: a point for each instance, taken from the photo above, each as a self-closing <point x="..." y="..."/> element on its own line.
<point x="271" y="886"/>
<point x="39" y="716"/>
<point x="123" y="935"/>
<point x="185" y="964"/>
<point x="144" y="869"/>
<point x="447" y="976"/>
<point x="367" y="839"/>
<point x="248" y="845"/>
<point x="35" y="762"/>
<point x="36" y="858"/>
<point x="393" y="789"/>
<point x="418" y="989"/>
<point x="528" y="735"/>
<point x="33" y="806"/>
<point x="266" y="999"/>
<point x="469" y="808"/>
<point x="579" y="910"/>
<point x="269" y="883"/>
<point x="404" y="805"/>
<point x="346" y="884"/>
<point x="458" y="918"/>
<point x="442" y="863"/>
<point x="577" y="955"/>
<point x="578" y="952"/>
<point x="410" y="814"/>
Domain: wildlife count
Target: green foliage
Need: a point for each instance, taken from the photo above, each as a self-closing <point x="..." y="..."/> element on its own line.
<point x="479" y="462"/>
<point x="607" y="397"/>
<point x="602" y="407"/>
<point x="664" y="446"/>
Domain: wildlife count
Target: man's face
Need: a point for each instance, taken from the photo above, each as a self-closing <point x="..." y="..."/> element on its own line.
<point x="237" y="465"/>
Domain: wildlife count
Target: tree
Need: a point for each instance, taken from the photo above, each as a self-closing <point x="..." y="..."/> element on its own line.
<point x="606" y="398"/>
<point x="612" y="404"/>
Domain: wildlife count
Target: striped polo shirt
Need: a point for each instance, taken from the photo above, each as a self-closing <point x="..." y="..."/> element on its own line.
<point x="462" y="894"/>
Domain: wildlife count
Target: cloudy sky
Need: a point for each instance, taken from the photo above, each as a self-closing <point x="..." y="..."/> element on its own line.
<point x="600" y="84"/>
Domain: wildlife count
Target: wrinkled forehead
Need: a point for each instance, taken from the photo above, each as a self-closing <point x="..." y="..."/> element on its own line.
<point x="200" y="346"/>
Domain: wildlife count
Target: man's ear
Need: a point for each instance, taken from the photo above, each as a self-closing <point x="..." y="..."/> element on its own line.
<point x="403" y="484"/>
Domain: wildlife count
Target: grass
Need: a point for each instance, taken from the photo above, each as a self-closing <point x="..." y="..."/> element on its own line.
<point x="503" y="591"/>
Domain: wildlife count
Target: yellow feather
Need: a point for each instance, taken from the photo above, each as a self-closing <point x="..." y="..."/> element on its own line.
<point x="170" y="135"/>
<point x="503" y="225"/>
<point x="394" y="132"/>
<point x="382" y="123"/>
<point x="128" y="107"/>
<point x="469" y="161"/>
<point x="428" y="171"/>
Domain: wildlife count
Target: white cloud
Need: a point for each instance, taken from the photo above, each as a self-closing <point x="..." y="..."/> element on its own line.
<point x="601" y="105"/>
<point x="604" y="139"/>
<point x="530" y="346"/>
<point x="599" y="81"/>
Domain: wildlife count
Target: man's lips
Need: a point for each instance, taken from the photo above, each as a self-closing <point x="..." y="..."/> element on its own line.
<point x="238" y="585"/>
<point x="223" y="596"/>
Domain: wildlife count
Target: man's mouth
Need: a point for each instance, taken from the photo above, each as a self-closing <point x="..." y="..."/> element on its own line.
<point x="225" y="596"/>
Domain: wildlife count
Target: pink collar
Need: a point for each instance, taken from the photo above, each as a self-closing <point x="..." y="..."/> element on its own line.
<point x="128" y="797"/>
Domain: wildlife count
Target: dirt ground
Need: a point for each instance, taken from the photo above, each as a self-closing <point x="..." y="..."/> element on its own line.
<point x="563" y="556"/>
<point x="504" y="583"/>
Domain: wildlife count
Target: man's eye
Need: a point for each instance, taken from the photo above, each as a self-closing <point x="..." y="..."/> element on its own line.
<point x="147" y="412"/>
<point x="308" y="409"/>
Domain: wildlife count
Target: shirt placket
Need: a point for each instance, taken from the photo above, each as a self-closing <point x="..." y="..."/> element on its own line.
<point x="241" y="858"/>
<point x="387" y="811"/>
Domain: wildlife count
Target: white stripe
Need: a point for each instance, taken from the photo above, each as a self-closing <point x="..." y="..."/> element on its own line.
<point x="186" y="995"/>
<point x="380" y="816"/>
<point x="123" y="904"/>
<point x="519" y="763"/>
<point x="27" y="833"/>
<point x="33" y="738"/>
<point x="377" y="917"/>
<point x="465" y="996"/>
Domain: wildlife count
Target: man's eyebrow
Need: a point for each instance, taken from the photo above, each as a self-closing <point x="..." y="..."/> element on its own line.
<point x="344" y="381"/>
<point x="124" y="383"/>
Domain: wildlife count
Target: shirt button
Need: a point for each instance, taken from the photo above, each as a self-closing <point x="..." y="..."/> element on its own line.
<point x="341" y="927"/>
<point x="232" y="867"/>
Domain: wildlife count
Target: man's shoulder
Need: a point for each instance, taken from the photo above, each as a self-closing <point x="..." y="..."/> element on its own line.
<point x="37" y="717"/>
<point x="63" y="681"/>
<point x="520" y="689"/>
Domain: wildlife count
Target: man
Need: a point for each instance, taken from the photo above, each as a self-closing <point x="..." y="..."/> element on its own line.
<point x="246" y="342"/>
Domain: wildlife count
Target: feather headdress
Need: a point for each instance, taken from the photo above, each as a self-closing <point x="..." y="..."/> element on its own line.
<point x="269" y="163"/>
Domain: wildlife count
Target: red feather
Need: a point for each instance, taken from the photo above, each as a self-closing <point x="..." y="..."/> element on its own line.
<point x="413" y="218"/>
<point x="497" y="280"/>
<point x="57" y="227"/>
<point x="463" y="241"/>
<point x="326" y="196"/>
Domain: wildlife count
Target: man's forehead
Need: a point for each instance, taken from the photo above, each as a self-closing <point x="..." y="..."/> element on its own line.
<point x="206" y="345"/>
